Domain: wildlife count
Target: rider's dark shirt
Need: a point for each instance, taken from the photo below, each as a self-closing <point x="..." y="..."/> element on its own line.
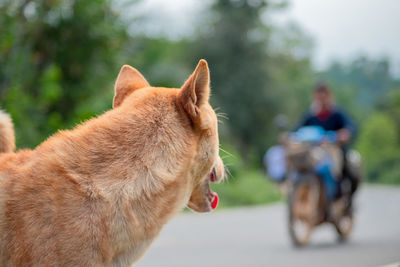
<point x="333" y="120"/>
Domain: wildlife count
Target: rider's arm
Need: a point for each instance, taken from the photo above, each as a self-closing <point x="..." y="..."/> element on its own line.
<point x="347" y="130"/>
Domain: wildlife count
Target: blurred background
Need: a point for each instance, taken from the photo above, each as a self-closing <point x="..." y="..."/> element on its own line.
<point x="59" y="60"/>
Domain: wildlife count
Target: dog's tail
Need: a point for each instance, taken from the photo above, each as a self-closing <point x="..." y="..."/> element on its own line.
<point x="7" y="136"/>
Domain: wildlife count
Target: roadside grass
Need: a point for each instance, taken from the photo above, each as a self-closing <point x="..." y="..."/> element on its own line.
<point x="391" y="176"/>
<point x="246" y="188"/>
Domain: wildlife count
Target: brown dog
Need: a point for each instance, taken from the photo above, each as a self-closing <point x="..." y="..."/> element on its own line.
<point x="98" y="195"/>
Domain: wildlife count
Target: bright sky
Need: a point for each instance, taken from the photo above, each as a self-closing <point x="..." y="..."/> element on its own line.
<point x="344" y="28"/>
<point x="340" y="28"/>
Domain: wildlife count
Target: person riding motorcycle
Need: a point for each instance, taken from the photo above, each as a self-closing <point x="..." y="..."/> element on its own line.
<point x="316" y="169"/>
<point x="324" y="113"/>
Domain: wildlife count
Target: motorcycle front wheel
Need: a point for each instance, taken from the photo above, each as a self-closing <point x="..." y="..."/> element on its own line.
<point x="303" y="209"/>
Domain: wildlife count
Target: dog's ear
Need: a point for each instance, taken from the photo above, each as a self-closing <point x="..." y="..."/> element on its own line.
<point x="196" y="90"/>
<point x="128" y="80"/>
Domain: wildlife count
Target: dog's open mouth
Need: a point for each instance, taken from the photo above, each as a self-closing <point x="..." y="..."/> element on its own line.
<point x="203" y="198"/>
<point x="213" y="197"/>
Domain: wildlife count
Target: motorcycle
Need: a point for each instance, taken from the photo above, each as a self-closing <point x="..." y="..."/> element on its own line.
<point x="317" y="192"/>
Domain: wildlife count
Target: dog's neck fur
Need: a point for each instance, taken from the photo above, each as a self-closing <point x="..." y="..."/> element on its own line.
<point x="139" y="170"/>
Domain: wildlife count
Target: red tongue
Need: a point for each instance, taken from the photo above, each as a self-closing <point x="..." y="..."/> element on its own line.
<point x="214" y="204"/>
<point x="212" y="177"/>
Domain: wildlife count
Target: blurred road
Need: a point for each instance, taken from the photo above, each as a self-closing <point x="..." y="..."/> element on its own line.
<point x="257" y="236"/>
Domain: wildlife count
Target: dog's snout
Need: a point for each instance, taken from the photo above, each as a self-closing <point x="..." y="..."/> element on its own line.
<point x="219" y="171"/>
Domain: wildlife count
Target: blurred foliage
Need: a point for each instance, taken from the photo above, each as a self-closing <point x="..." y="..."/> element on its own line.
<point x="232" y="160"/>
<point x="249" y="187"/>
<point x="243" y="186"/>
<point x="379" y="145"/>
<point x="249" y="73"/>
<point x="241" y="77"/>
<point x="57" y="63"/>
<point x="59" y="59"/>
<point x="360" y="84"/>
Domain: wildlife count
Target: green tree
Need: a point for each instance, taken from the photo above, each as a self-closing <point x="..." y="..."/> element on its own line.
<point x="360" y="84"/>
<point x="57" y="63"/>
<point x="237" y="44"/>
<point x="379" y="146"/>
<point x="392" y="105"/>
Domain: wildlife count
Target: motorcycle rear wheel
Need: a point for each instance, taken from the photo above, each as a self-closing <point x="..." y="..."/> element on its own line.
<point x="344" y="226"/>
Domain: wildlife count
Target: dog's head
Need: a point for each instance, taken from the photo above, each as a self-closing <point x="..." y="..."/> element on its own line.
<point x="198" y="118"/>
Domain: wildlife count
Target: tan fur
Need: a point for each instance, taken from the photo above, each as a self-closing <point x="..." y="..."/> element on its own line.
<point x="98" y="195"/>
<point x="7" y="139"/>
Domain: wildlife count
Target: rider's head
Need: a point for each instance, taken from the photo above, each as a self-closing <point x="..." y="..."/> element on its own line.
<point x="323" y="97"/>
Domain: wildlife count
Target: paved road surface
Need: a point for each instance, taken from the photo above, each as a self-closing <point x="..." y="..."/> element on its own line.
<point x="257" y="236"/>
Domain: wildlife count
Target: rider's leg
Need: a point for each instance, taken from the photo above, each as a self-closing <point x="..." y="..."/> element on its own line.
<point x="330" y="184"/>
<point x="323" y="169"/>
<point x="349" y="178"/>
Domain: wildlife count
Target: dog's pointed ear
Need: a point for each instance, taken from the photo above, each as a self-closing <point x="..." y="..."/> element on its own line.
<point x="196" y="90"/>
<point x="128" y="80"/>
